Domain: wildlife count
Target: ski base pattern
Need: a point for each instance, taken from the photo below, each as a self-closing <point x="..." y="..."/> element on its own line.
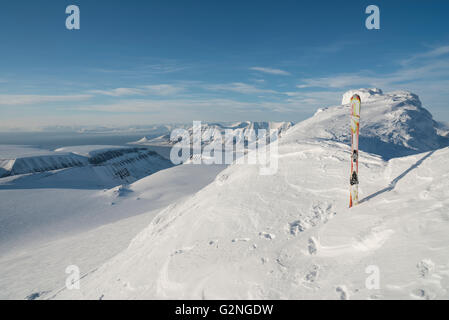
<point x="356" y="104"/>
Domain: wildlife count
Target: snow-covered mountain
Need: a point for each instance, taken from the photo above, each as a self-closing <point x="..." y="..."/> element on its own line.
<point x="442" y="129"/>
<point x="210" y="132"/>
<point x="291" y="235"/>
<point x="392" y="125"/>
<point x="16" y="160"/>
<point x="108" y="165"/>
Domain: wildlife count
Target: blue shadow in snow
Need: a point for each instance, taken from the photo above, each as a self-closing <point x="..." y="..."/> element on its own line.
<point x="393" y="183"/>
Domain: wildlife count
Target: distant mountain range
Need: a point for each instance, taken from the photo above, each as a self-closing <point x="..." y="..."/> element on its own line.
<point x="210" y="132"/>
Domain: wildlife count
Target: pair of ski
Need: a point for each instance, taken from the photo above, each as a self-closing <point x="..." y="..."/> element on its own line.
<point x="356" y="104"/>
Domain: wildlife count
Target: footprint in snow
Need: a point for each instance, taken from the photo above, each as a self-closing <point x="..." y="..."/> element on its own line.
<point x="183" y="250"/>
<point x="312" y="247"/>
<point x="35" y="295"/>
<point x="213" y="243"/>
<point x="312" y="275"/>
<point x="221" y="179"/>
<point x="422" y="294"/>
<point x="267" y="235"/>
<point x="425" y="267"/>
<point x="296" y="227"/>
<point x="342" y="291"/>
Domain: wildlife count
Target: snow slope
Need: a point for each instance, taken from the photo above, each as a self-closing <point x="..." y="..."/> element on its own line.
<point x="49" y="201"/>
<point x="81" y="227"/>
<point x="291" y="235"/>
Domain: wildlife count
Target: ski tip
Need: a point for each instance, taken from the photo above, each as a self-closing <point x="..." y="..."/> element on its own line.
<point x="356" y="97"/>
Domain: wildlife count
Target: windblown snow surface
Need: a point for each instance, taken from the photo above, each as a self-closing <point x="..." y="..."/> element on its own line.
<point x="291" y="235"/>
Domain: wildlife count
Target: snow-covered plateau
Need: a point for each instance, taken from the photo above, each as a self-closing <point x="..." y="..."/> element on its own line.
<point x="210" y="232"/>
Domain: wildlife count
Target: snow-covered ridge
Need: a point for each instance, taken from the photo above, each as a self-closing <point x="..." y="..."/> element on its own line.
<point x="364" y="93"/>
<point x="122" y="163"/>
<point x="217" y="130"/>
<point x="15" y="160"/>
<point x="291" y="235"/>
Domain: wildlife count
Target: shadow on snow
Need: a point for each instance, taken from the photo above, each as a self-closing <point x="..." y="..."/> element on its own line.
<point x="393" y="183"/>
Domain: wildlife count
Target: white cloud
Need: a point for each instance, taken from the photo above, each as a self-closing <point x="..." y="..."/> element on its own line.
<point x="337" y="81"/>
<point x="295" y="103"/>
<point x="238" y="87"/>
<point x="432" y="71"/>
<point x="271" y="71"/>
<point x="145" y="69"/>
<point x="425" y="73"/>
<point x="434" y="53"/>
<point x="163" y="89"/>
<point x="157" y="106"/>
<point x="159" y="89"/>
<point x="118" y="92"/>
<point x="11" y="100"/>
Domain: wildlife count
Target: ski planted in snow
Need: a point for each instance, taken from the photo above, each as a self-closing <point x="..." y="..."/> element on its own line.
<point x="356" y="104"/>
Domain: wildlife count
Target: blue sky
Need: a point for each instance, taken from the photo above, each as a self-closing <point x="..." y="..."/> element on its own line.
<point x="143" y="62"/>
